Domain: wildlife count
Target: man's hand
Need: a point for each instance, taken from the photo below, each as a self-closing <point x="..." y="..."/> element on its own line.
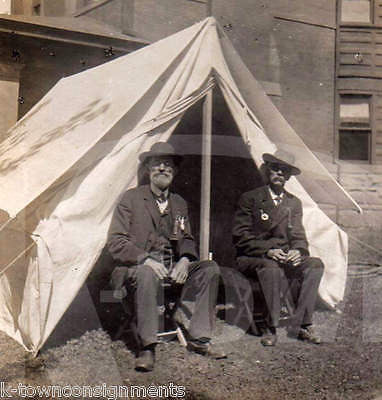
<point x="120" y="294"/>
<point x="180" y="271"/>
<point x="278" y="255"/>
<point x="294" y="257"/>
<point x="157" y="267"/>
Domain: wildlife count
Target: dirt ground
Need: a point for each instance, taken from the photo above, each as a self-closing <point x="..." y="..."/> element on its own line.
<point x="348" y="365"/>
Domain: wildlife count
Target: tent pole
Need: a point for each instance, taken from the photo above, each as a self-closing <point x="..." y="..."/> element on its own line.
<point x="205" y="200"/>
<point x="209" y="8"/>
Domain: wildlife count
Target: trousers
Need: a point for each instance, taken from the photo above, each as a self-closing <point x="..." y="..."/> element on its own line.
<point x="303" y="282"/>
<point x="201" y="286"/>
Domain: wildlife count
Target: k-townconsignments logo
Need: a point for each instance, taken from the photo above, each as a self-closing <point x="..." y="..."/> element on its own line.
<point x="100" y="391"/>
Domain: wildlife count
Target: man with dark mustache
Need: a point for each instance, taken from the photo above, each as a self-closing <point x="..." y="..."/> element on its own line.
<point x="150" y="241"/>
<point x="271" y="245"/>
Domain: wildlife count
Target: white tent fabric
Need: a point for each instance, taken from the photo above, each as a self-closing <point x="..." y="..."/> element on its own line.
<point x="61" y="170"/>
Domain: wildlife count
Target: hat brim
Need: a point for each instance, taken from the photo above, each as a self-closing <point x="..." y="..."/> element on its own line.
<point x="145" y="156"/>
<point x="270" y="158"/>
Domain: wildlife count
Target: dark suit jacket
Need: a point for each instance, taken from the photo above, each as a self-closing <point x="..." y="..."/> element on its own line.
<point x="281" y="227"/>
<point x="133" y="229"/>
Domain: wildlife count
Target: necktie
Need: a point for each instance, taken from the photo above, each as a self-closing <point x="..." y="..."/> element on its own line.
<point x="278" y="200"/>
<point x="161" y="198"/>
<point x="162" y="202"/>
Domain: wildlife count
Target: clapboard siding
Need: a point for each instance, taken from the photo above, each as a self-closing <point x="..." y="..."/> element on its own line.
<point x="360" y="52"/>
<point x="378" y="12"/>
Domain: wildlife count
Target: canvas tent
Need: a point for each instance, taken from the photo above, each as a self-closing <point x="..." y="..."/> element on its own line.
<point x="61" y="168"/>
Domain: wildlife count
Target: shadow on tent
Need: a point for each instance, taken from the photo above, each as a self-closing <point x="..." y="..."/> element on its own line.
<point x="232" y="173"/>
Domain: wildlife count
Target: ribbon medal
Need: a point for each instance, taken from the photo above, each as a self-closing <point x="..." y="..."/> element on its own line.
<point x="264" y="216"/>
<point x="182" y="225"/>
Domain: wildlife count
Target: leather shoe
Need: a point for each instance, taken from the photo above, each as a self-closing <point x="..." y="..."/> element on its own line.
<point x="206" y="349"/>
<point x="145" y="361"/>
<point x="308" y="334"/>
<point x="269" y="338"/>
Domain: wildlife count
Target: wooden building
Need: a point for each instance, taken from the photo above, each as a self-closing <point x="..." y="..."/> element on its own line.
<point x="359" y="81"/>
<point x="358" y="114"/>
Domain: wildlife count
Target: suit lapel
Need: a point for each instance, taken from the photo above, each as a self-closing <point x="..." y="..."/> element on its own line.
<point x="276" y="213"/>
<point x="174" y="206"/>
<point x="266" y="202"/>
<point x="150" y="205"/>
<point x="287" y="205"/>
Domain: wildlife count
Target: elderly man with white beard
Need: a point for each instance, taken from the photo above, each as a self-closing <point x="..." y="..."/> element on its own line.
<point x="151" y="242"/>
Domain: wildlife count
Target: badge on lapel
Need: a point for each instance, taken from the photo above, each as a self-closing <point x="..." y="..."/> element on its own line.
<point x="263" y="215"/>
<point x="179" y="227"/>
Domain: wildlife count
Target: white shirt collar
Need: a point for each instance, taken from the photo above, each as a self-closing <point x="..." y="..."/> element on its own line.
<point x="275" y="196"/>
<point x="158" y="192"/>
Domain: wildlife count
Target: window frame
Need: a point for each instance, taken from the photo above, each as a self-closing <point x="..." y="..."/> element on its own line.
<point x="350" y="131"/>
<point x="36" y="10"/>
<point x="369" y="130"/>
<point x="355" y="23"/>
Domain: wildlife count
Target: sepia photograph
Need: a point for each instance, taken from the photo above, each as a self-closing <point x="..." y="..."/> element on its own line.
<point x="191" y="199"/>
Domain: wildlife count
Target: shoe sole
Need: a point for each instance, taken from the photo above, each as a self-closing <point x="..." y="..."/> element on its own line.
<point x="268" y="344"/>
<point x="206" y="353"/>
<point x="140" y="368"/>
<point x="308" y="340"/>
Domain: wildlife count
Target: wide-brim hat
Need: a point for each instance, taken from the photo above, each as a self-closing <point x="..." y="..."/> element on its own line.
<point x="283" y="158"/>
<point x="160" y="149"/>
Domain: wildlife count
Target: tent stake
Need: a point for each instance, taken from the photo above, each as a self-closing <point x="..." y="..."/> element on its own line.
<point x="205" y="200"/>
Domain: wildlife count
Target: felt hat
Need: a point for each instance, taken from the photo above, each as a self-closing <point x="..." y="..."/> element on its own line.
<point x="160" y="149"/>
<point x="283" y="158"/>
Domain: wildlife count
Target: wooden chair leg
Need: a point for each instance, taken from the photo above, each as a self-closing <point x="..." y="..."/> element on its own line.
<point x="178" y="333"/>
<point x="181" y="337"/>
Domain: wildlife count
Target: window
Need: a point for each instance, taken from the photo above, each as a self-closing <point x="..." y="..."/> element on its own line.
<point x="5" y="7"/>
<point x="356" y="11"/>
<point x="37" y="9"/>
<point x="354" y="127"/>
<point x="355" y="110"/>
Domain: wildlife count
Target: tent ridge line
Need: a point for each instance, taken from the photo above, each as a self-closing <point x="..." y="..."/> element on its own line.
<point x="199" y="36"/>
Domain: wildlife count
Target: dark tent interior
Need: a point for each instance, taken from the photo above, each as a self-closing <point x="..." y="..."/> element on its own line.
<point x="232" y="173"/>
